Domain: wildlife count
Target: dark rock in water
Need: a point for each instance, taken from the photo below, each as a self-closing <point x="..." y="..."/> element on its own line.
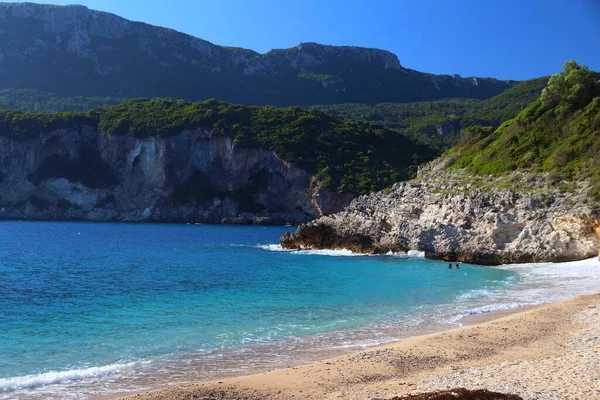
<point x="450" y="223"/>
<point x="460" y="394"/>
<point x="322" y="236"/>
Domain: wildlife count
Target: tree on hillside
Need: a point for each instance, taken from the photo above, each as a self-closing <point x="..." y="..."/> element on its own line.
<point x="573" y="88"/>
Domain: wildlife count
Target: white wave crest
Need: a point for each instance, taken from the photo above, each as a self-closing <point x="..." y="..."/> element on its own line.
<point x="272" y="247"/>
<point x="333" y="253"/>
<point x="549" y="282"/>
<point x="496" y="307"/>
<point x="339" y="252"/>
<point x="476" y="294"/>
<point x="409" y="254"/>
<point x="56" y="377"/>
<point x="490" y="308"/>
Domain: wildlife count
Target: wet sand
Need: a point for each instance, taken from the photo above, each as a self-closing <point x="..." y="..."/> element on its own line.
<point x="546" y="352"/>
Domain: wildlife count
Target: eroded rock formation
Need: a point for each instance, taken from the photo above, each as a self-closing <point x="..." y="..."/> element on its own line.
<point x="448" y="222"/>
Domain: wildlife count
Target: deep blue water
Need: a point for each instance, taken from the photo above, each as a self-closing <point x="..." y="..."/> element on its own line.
<point x="90" y="308"/>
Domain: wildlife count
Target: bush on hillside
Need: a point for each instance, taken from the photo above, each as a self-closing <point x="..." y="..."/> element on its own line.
<point x="558" y="133"/>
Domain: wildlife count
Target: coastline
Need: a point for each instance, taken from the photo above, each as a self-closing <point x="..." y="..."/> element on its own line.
<point x="452" y="220"/>
<point x="513" y="351"/>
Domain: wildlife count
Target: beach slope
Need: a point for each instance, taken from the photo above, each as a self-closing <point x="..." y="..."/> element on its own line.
<point x="549" y="352"/>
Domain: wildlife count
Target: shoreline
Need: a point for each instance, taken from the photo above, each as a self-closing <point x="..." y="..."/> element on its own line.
<point x="477" y="319"/>
<point x="535" y="284"/>
<point x="374" y="371"/>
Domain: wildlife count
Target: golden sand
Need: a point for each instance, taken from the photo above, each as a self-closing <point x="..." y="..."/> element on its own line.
<point x="545" y="353"/>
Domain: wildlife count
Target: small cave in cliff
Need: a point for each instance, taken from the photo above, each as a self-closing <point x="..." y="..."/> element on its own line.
<point x="39" y="203"/>
<point x="89" y="169"/>
<point x="196" y="189"/>
<point x="246" y="195"/>
<point x="199" y="189"/>
<point x="245" y="198"/>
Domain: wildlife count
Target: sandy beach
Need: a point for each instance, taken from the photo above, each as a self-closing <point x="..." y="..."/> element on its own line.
<point x="549" y="352"/>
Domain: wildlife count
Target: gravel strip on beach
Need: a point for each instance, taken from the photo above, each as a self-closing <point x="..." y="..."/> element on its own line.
<point x="575" y="375"/>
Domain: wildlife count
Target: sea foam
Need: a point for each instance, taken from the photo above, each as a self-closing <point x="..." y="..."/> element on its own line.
<point x="537" y="283"/>
<point x="340" y="252"/>
<point x="496" y="307"/>
<point x="333" y="253"/>
<point x="55" y="377"/>
<point x="548" y="282"/>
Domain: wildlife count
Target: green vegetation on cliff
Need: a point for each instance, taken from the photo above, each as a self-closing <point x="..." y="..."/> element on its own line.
<point x="441" y="121"/>
<point x="438" y="122"/>
<point x="346" y="155"/>
<point x="558" y="133"/>
<point x="37" y="101"/>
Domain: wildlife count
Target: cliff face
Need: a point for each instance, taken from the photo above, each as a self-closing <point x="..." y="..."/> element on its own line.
<point x="449" y="223"/>
<point x="74" y="51"/>
<point x="194" y="176"/>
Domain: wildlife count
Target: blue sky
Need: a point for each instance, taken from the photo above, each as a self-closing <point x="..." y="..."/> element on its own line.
<point x="506" y="39"/>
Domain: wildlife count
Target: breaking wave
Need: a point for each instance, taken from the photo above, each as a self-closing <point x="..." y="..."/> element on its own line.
<point x="340" y="252"/>
<point x="56" y="377"/>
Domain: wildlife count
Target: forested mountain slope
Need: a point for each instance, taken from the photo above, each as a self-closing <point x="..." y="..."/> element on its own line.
<point x="441" y="121"/>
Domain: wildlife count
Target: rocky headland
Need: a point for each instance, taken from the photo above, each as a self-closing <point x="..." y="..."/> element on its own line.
<point x="457" y="217"/>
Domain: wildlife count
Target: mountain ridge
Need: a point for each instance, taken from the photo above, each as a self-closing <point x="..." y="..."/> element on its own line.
<point x="92" y="53"/>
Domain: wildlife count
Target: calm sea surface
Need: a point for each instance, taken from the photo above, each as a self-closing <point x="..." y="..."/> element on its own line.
<point x="90" y="309"/>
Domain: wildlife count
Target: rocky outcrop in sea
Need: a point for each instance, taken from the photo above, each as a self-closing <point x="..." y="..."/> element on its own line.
<point x="532" y="221"/>
<point x="195" y="176"/>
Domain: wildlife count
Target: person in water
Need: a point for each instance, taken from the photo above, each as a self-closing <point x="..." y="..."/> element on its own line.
<point x="450" y="266"/>
<point x="457" y="267"/>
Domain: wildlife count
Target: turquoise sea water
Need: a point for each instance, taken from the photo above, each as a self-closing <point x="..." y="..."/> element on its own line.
<point x="89" y="309"/>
